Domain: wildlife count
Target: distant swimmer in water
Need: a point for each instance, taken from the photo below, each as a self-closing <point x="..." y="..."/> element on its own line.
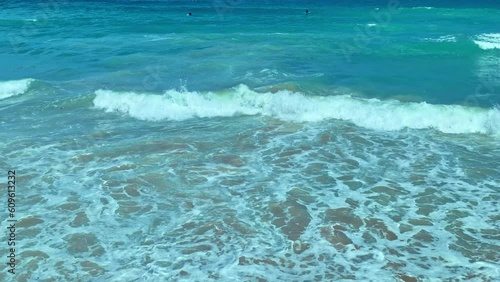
<point x="307" y="12"/>
<point x="190" y="14"/>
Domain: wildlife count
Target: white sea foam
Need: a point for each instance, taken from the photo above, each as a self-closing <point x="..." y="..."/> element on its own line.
<point x="369" y="113"/>
<point x="444" y="38"/>
<point x="14" y="87"/>
<point x="423" y="8"/>
<point x="488" y="41"/>
<point x="278" y="200"/>
<point x="155" y="37"/>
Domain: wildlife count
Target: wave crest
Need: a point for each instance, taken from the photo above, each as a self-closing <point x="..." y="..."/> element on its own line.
<point x="291" y="106"/>
<point x="14" y="87"/>
<point x="488" y="41"/>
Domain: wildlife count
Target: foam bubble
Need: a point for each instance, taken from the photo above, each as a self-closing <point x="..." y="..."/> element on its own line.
<point x="292" y="106"/>
<point x="14" y="87"/>
<point x="488" y="41"/>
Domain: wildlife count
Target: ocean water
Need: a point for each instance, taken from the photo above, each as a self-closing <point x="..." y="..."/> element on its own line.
<point x="252" y="142"/>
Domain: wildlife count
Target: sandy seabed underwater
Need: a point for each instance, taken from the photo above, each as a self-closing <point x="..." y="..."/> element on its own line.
<point x="252" y="142"/>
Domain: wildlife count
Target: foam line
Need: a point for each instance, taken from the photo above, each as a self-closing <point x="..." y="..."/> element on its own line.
<point x="370" y="113"/>
<point x="488" y="41"/>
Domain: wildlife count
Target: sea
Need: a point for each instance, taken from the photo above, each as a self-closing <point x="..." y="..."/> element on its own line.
<point x="250" y="141"/>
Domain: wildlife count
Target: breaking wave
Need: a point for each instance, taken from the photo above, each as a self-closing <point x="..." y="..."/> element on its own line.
<point x="375" y="114"/>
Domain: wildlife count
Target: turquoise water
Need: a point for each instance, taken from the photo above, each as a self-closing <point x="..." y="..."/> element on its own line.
<point x="253" y="142"/>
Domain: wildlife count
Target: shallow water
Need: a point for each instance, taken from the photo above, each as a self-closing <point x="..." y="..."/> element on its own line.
<point x="244" y="145"/>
